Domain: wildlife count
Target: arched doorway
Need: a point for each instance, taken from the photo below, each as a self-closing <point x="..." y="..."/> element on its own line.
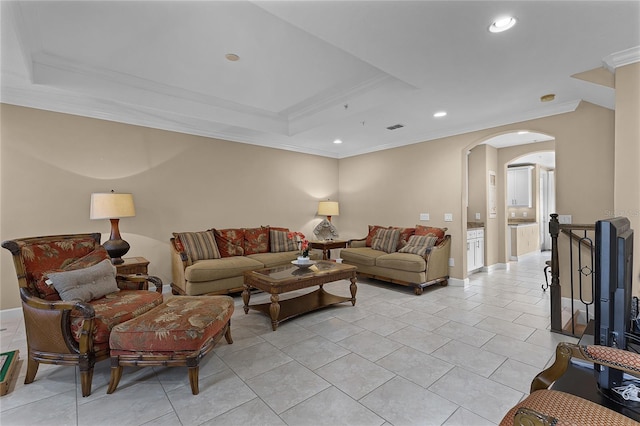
<point x="487" y="170"/>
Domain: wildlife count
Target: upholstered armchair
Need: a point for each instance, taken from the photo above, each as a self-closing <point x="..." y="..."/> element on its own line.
<point x="547" y="407"/>
<point x="74" y="329"/>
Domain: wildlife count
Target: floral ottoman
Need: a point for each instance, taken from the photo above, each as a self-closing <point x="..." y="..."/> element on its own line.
<point x="179" y="332"/>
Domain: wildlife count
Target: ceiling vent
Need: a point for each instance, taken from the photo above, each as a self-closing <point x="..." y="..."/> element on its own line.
<point x="395" y="126"/>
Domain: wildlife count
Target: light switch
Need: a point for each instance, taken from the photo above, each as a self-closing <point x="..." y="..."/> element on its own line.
<point x="513" y="214"/>
<point x="424" y="216"/>
<point x="564" y="218"/>
<point x="451" y="262"/>
<point x="448" y="217"/>
<point x="477" y="216"/>
<point x="524" y="214"/>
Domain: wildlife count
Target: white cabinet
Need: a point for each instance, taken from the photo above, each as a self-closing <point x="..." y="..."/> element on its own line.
<point x="519" y="189"/>
<point x="475" y="249"/>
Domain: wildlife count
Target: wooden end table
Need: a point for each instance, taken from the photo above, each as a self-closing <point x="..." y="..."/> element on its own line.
<point x="326" y="246"/>
<point x="283" y="279"/>
<point x="133" y="265"/>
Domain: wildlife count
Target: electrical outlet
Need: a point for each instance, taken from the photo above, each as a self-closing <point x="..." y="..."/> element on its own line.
<point x="524" y="214"/>
<point x="477" y="216"/>
<point x="513" y="214"/>
<point x="451" y="262"/>
<point x="448" y="217"/>
<point x="424" y="216"/>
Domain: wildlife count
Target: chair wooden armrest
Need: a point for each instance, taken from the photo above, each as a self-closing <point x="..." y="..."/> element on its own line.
<point x="138" y="282"/>
<point x="619" y="359"/>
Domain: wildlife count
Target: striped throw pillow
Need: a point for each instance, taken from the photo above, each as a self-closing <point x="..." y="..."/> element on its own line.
<point x="418" y="244"/>
<point x="199" y="245"/>
<point x="386" y="240"/>
<point x="279" y="242"/>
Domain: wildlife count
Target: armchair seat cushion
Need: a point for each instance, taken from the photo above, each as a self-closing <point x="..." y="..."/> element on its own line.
<point x="402" y="261"/>
<point x="217" y="269"/>
<point x="361" y="255"/>
<point x="568" y="410"/>
<point x="113" y="309"/>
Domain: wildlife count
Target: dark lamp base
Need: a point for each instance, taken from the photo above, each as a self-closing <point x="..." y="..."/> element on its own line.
<point x="116" y="249"/>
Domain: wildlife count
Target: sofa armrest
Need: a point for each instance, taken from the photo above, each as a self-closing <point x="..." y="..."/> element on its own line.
<point x="138" y="282"/>
<point x="437" y="258"/>
<point x="357" y="242"/>
<point x="179" y="262"/>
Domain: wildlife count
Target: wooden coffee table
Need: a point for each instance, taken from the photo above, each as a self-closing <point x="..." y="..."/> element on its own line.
<point x="283" y="279"/>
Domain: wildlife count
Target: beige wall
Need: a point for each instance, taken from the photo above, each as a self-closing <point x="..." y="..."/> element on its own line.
<point x="627" y="155"/>
<point x="52" y="162"/>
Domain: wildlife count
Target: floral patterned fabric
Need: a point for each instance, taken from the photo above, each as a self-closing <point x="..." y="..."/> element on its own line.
<point x="113" y="309"/>
<point x="230" y="242"/>
<point x="405" y="234"/>
<point x="426" y="230"/>
<point x="57" y="255"/>
<point x="182" y="324"/>
<point x="256" y="240"/>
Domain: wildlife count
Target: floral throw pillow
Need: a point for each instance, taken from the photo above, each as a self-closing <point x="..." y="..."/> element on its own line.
<point x="230" y="241"/>
<point x="426" y="230"/>
<point x="256" y="240"/>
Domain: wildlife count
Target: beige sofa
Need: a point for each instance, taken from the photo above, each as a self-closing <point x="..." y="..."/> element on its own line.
<point x="214" y="261"/>
<point x="397" y="262"/>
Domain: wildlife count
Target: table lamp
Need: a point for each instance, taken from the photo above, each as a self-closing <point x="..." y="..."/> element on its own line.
<point x="113" y="206"/>
<point x="325" y="229"/>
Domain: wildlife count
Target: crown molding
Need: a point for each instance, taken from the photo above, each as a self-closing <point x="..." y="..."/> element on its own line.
<point x="622" y="58"/>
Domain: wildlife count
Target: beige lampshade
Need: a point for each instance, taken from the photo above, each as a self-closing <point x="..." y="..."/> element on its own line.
<point x="111" y="205"/>
<point x="328" y="208"/>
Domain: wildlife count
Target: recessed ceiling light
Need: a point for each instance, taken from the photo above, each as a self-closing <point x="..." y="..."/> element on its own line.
<point x="523" y="132"/>
<point x="440" y="114"/>
<point x="232" y="57"/>
<point x="502" y="24"/>
<point x="337" y="141"/>
<point x="547" y="98"/>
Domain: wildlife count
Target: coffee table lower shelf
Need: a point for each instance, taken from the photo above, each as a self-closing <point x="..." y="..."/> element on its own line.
<point x="281" y="310"/>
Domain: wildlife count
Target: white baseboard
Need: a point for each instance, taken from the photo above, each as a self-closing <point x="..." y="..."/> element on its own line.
<point x="455" y="282"/>
<point x="10" y="314"/>
<point x="495" y="267"/>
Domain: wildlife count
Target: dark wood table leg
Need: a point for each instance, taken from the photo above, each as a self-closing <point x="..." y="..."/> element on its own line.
<point x="354" y="288"/>
<point x="246" y="295"/>
<point x="274" y="310"/>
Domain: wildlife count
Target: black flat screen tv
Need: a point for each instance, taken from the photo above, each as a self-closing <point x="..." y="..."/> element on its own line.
<point x="613" y="280"/>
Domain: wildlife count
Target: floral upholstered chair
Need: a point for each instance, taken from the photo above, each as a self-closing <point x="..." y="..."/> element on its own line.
<point x="72" y="298"/>
<point x="547" y="407"/>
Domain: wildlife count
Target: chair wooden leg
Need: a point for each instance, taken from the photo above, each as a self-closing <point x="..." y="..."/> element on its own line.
<point x="193" y="379"/>
<point x="32" y="369"/>
<point x="116" y="374"/>
<point x="86" y="377"/>
<point x="227" y="335"/>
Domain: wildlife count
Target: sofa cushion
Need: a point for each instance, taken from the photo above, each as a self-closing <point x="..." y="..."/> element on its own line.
<point x="402" y="261"/>
<point x="230" y="241"/>
<point x="360" y="255"/>
<point x="198" y="245"/>
<point x="275" y="259"/>
<point x="427" y="230"/>
<point x="215" y="269"/>
<point x="280" y="241"/>
<point x="113" y="309"/>
<point x="52" y="256"/>
<point x="418" y="244"/>
<point x="405" y="234"/>
<point x="373" y="230"/>
<point x="85" y="284"/>
<point x="182" y="324"/>
<point x="386" y="240"/>
<point x="256" y="240"/>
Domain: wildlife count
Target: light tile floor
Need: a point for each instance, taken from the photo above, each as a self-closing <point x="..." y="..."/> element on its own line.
<point x="452" y="356"/>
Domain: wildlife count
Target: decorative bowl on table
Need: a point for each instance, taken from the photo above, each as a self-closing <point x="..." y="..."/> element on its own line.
<point x="301" y="264"/>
